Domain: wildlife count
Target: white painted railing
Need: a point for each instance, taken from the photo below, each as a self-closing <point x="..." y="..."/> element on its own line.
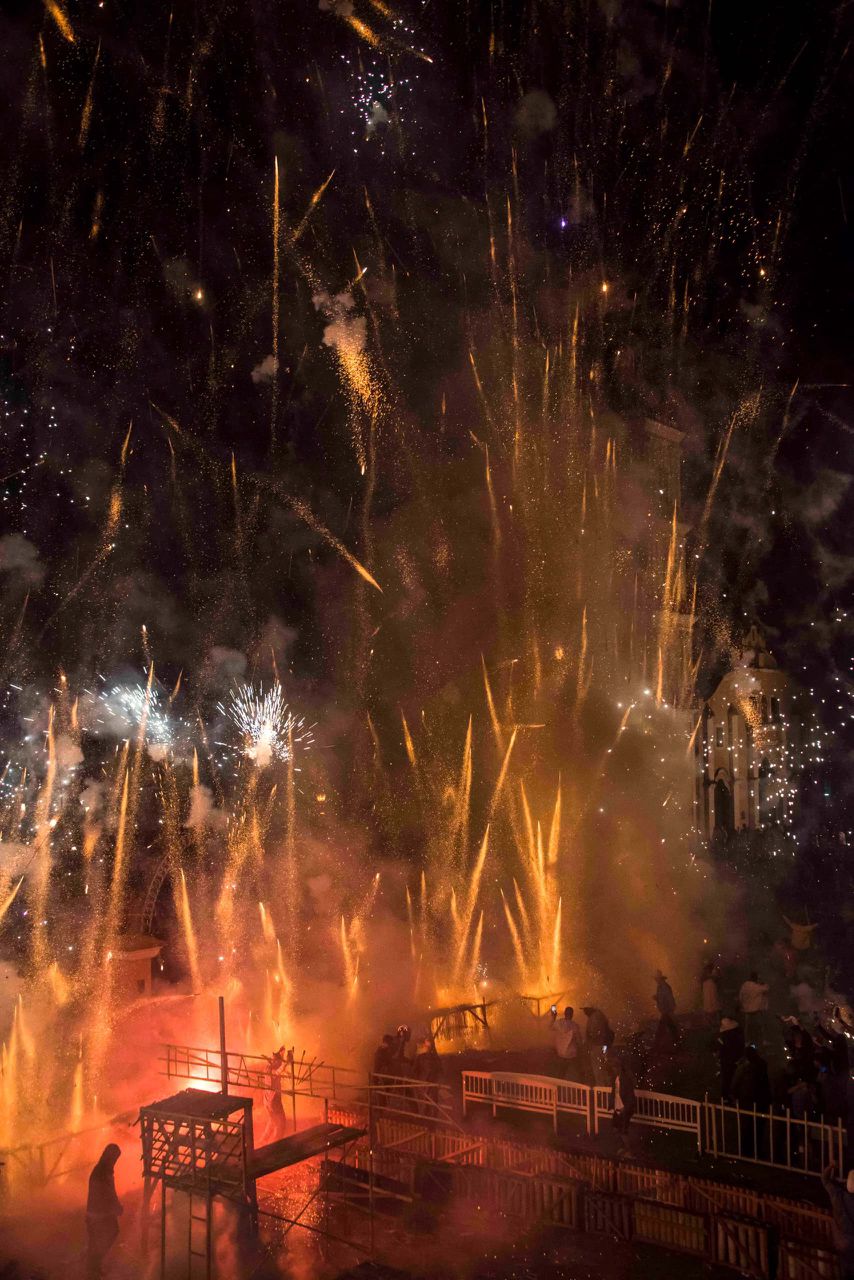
<point x="778" y="1139"/>
<point x="769" y="1138"/>
<point x="659" y="1110"/>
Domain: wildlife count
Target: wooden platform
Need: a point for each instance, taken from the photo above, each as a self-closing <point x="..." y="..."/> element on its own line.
<point x="200" y="1104"/>
<point x="301" y="1146"/>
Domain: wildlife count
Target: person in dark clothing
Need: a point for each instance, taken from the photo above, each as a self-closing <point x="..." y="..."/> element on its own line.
<point x="833" y="1073"/>
<point x="751" y="1086"/>
<point x="842" y="1206"/>
<point x="730" y="1044"/>
<point x="751" y="1089"/>
<point x="800" y="1053"/>
<point x="103" y="1210"/>
<point x="623" y="1101"/>
<point x="598" y="1038"/>
<point x="427" y="1065"/>
<point x="384" y="1056"/>
<point x="427" y="1070"/>
<point x="401" y="1054"/>
<point x="667" y="1031"/>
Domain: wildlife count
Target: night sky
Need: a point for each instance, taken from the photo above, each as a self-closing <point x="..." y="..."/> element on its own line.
<point x="161" y="469"/>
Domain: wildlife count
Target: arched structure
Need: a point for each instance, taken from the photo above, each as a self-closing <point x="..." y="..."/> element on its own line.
<point x="749" y="748"/>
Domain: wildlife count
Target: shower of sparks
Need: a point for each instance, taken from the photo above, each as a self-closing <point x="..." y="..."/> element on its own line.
<point x="270" y="730"/>
<point x="129" y="707"/>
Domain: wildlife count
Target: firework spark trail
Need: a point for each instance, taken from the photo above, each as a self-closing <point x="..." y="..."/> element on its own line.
<point x="61" y="19"/>
<point x="297" y="505"/>
<point x="42" y="848"/>
<point x="86" y="117"/>
<point x="274" y="407"/>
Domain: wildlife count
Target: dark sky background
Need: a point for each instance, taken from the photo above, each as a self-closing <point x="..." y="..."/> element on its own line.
<point x="697" y="156"/>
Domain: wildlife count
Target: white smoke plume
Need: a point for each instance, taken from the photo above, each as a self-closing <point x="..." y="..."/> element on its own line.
<point x="20" y="557"/>
<point x="92" y="797"/>
<point x="223" y="666"/>
<point x="535" y="114"/>
<point x="14" y="859"/>
<point x="266" y="370"/>
<point x="345" y="329"/>
<point x="67" y="752"/>
<point x="202" y="812"/>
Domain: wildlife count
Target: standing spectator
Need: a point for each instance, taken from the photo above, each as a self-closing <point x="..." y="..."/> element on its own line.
<point x="427" y="1065"/>
<point x="103" y="1209"/>
<point x="667" y="1031"/>
<point x="730" y="1049"/>
<point x="401" y="1057"/>
<point x="600" y="1037"/>
<point x="753" y="1000"/>
<point x="751" y="1089"/>
<point x="624" y="1102"/>
<point x="568" y="1042"/>
<point x="383" y="1058"/>
<point x="842" y="1205"/>
<point x="800" y="1051"/>
<point x="710" y="992"/>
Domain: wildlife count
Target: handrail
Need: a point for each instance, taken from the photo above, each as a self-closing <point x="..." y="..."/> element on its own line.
<point x="719" y="1129"/>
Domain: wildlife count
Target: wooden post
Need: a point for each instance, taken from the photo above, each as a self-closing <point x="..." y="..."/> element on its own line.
<point x="223" y="1056"/>
<point x="163" y="1228"/>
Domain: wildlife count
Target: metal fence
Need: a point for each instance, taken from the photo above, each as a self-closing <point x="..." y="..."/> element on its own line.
<point x="771" y="1138"/>
<point x="777" y="1139"/>
<point x="306" y="1077"/>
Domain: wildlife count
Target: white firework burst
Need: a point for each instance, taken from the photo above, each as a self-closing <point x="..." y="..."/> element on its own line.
<point x="130" y="706"/>
<point x="269" y="728"/>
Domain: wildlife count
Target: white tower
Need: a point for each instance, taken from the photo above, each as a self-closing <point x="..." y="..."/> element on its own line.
<point x="749" y="747"/>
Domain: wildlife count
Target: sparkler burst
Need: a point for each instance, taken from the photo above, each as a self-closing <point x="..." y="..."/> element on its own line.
<point x="269" y="728"/>
<point x="130" y="708"/>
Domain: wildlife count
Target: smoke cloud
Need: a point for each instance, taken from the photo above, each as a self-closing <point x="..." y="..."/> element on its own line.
<point x="345" y="329"/>
<point x="19" y="557"/>
<point x="266" y="370"/>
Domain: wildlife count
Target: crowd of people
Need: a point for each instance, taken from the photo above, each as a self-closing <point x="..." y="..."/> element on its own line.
<point x="395" y="1058"/>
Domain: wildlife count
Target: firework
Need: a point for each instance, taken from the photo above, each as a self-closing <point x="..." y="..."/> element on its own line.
<point x="131" y="708"/>
<point x="270" y="730"/>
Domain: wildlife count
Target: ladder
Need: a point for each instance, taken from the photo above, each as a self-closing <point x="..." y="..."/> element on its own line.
<point x="198" y="1224"/>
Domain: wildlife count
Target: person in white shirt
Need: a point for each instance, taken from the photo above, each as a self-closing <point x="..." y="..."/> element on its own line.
<point x="711" y="995"/>
<point x="568" y="1041"/>
<point x="753" y="999"/>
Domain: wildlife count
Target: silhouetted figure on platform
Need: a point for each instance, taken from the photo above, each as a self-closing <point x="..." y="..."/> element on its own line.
<point x="730" y="1049"/>
<point x="599" y="1038"/>
<point x="103" y="1209"/>
<point x="667" y="1031"/>
<point x="624" y="1102"/>
<point x="384" y="1057"/>
<point x="751" y="1089"/>
<point x="277" y="1125"/>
